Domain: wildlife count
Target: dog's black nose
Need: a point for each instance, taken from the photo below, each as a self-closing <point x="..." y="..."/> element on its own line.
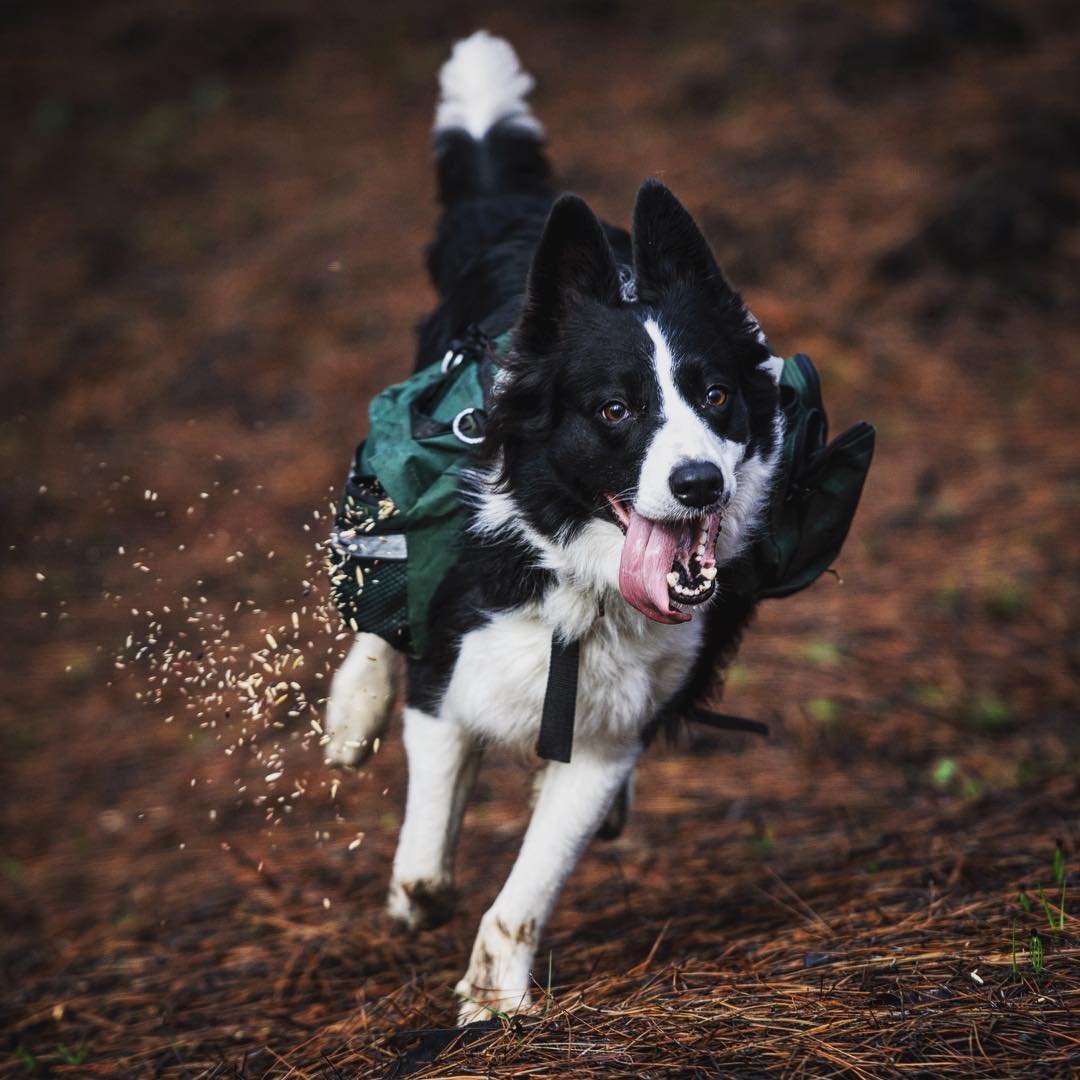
<point x="696" y="483"/>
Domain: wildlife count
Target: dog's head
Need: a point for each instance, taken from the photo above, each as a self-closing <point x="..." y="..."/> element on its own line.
<point x="637" y="421"/>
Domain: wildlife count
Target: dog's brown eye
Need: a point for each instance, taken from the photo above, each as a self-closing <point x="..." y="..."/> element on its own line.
<point x="614" y="411"/>
<point x="716" y="396"/>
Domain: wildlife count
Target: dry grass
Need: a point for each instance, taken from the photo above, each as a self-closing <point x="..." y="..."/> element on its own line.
<point x="820" y="956"/>
<point x="213" y="261"/>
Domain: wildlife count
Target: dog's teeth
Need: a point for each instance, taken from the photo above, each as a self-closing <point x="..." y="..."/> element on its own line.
<point x="709" y="573"/>
<point x="701" y="550"/>
<point x="673" y="579"/>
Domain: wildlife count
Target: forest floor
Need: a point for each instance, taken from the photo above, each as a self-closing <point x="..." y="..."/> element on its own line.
<point x="214" y="226"/>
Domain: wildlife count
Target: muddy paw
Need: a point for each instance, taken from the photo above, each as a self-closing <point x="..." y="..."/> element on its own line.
<point x="481" y="1003"/>
<point x="421" y="905"/>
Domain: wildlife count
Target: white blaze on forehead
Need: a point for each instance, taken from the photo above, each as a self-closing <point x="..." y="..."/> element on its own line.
<point x="682" y="436"/>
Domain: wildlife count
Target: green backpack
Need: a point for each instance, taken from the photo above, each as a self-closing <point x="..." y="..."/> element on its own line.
<point x="399" y="527"/>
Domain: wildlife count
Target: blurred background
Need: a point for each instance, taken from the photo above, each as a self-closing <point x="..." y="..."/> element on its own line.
<point x="213" y="224"/>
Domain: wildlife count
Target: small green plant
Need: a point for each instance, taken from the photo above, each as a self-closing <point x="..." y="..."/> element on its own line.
<point x="72" y="1057"/>
<point x="950" y="597"/>
<point x="1055" y="921"/>
<point x="498" y="1014"/>
<point x="932" y="696"/>
<point x="29" y="1062"/>
<point x="12" y="869"/>
<point x="944" y="772"/>
<point x="1036" y="952"/>
<point x="822" y="654"/>
<point x="1005" y="601"/>
<point x="824" y="710"/>
<point x="1060" y="879"/>
<point x="989" y="713"/>
<point x="1046" y="909"/>
<point x="548" y="999"/>
<point x="762" y="841"/>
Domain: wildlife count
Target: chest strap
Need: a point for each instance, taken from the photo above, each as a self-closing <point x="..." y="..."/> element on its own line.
<point x="556" y="738"/>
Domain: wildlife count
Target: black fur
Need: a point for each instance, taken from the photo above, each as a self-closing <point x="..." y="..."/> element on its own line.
<point x="507" y="253"/>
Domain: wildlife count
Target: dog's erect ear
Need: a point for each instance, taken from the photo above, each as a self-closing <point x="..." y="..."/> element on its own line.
<point x="573" y="262"/>
<point x="669" y="248"/>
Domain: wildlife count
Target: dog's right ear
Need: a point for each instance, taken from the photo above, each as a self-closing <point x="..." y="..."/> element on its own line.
<point x="573" y="263"/>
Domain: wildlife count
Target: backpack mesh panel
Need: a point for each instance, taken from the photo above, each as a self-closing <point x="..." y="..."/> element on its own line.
<point x="371" y="593"/>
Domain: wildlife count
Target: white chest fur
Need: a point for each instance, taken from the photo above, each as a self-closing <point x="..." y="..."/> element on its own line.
<point x="628" y="667"/>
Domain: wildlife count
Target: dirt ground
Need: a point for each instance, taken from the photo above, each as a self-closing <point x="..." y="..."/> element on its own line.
<point x="213" y="219"/>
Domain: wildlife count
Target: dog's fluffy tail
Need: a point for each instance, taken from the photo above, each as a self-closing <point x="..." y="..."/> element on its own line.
<point x="487" y="140"/>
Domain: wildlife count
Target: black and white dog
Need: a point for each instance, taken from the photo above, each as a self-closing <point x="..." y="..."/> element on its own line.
<point x="629" y="455"/>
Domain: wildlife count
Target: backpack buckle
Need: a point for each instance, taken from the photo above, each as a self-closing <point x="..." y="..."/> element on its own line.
<point x="468" y="426"/>
<point x="453" y="359"/>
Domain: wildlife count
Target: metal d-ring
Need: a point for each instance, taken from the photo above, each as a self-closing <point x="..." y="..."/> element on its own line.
<point x="456" y="428"/>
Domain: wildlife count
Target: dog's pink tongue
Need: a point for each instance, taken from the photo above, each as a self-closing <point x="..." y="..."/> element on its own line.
<point x="647" y="554"/>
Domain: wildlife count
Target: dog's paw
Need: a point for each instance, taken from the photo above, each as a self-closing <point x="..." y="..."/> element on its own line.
<point x="361" y="696"/>
<point x="497" y="980"/>
<point x="479" y="1003"/>
<point x="345" y="751"/>
<point x="421" y="905"/>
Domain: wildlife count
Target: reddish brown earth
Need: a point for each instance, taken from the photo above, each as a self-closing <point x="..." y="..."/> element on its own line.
<point x="213" y="226"/>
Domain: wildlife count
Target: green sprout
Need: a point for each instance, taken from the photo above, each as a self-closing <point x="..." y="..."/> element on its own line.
<point x="1036" y="952"/>
<point x="944" y="772"/>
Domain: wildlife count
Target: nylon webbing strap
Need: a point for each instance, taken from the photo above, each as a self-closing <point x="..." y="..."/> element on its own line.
<point x="556" y="738"/>
<point x="727" y="722"/>
<point x="560" y="699"/>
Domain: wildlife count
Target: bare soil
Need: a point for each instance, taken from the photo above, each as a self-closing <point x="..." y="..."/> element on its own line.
<point x="213" y="221"/>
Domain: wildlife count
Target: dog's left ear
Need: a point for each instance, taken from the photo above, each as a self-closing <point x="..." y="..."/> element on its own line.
<point x="669" y="248"/>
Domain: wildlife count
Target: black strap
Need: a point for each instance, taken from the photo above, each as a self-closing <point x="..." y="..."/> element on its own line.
<point x="560" y="700"/>
<point x="556" y="738"/>
<point x="727" y="722"/>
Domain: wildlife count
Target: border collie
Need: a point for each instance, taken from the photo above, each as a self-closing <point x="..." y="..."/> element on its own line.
<point x="631" y="445"/>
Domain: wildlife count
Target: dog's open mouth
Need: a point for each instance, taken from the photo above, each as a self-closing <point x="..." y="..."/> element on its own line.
<point x="666" y="563"/>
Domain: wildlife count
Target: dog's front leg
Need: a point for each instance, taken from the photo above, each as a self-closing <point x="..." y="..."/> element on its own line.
<point x="572" y="802"/>
<point x="443" y="760"/>
<point x="361" y="696"/>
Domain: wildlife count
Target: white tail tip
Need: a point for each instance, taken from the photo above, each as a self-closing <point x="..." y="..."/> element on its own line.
<point x="482" y="84"/>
